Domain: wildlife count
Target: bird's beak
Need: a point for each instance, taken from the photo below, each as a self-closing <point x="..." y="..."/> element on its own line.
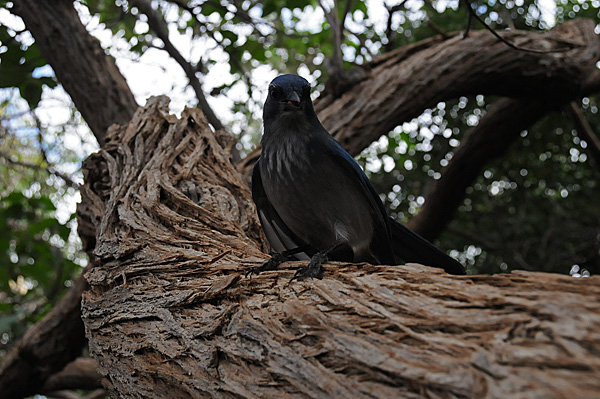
<point x="292" y="98"/>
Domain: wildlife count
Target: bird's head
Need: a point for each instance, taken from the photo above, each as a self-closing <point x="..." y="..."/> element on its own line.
<point x="289" y="96"/>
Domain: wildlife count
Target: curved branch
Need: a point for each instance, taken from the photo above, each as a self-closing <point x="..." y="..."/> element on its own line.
<point x="400" y="85"/>
<point x="490" y="139"/>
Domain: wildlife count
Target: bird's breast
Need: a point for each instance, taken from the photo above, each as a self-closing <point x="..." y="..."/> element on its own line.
<point x="315" y="196"/>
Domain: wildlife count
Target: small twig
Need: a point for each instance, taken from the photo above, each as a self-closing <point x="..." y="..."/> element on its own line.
<point x="389" y="33"/>
<point x="435" y="27"/>
<point x="158" y="26"/>
<point x="585" y="130"/>
<point x="50" y="169"/>
<point x="473" y="14"/>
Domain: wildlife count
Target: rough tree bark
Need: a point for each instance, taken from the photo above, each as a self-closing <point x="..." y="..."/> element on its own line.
<point x="169" y="313"/>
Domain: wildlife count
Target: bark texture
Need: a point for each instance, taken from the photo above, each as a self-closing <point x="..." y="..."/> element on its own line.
<point x="169" y="313"/>
<point x="88" y="74"/>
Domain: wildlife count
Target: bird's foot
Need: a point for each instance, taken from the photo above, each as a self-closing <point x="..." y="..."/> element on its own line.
<point x="271" y="264"/>
<point x="313" y="270"/>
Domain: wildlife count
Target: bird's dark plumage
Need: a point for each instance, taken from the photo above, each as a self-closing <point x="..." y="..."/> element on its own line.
<point x="315" y="202"/>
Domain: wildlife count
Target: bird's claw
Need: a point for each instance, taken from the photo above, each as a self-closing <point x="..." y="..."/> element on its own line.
<point x="313" y="270"/>
<point x="271" y="264"/>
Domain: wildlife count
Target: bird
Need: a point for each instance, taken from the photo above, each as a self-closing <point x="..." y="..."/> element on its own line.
<point x="315" y="202"/>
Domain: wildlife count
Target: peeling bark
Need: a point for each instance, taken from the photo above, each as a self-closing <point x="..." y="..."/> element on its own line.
<point x="169" y="313"/>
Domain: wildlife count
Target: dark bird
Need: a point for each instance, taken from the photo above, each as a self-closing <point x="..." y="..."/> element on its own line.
<point x="315" y="202"/>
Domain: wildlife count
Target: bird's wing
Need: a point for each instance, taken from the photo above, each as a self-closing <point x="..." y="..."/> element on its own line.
<point x="277" y="232"/>
<point x="381" y="243"/>
<point x="411" y="247"/>
<point x="406" y="245"/>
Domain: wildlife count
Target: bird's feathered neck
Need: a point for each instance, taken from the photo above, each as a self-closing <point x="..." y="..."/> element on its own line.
<point x="292" y="125"/>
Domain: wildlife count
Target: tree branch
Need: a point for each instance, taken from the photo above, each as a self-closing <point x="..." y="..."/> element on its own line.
<point x="472" y="13"/>
<point x="489" y="140"/>
<point x="398" y="86"/>
<point x="585" y="130"/>
<point x="88" y="74"/>
<point x="159" y="27"/>
<point x="81" y="373"/>
<point x="46" y="347"/>
<point x="50" y="169"/>
<point x="337" y="28"/>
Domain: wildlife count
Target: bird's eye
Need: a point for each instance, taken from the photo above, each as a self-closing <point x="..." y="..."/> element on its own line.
<point x="276" y="92"/>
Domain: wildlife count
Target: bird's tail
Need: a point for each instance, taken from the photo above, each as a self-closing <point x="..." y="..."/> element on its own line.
<point x="411" y="247"/>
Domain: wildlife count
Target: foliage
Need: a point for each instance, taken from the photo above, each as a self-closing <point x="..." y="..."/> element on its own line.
<point x="36" y="267"/>
<point x="20" y="61"/>
<point x="39" y="250"/>
<point x="534" y="209"/>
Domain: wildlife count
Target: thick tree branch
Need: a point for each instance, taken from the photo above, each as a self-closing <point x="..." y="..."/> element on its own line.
<point x="46" y="347"/>
<point x="79" y="374"/>
<point x="170" y="315"/>
<point x="90" y="76"/>
<point x="398" y="86"/>
<point x="489" y="140"/>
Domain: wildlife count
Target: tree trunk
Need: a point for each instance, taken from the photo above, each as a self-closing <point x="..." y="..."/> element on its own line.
<point x="87" y="73"/>
<point x="169" y="313"/>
